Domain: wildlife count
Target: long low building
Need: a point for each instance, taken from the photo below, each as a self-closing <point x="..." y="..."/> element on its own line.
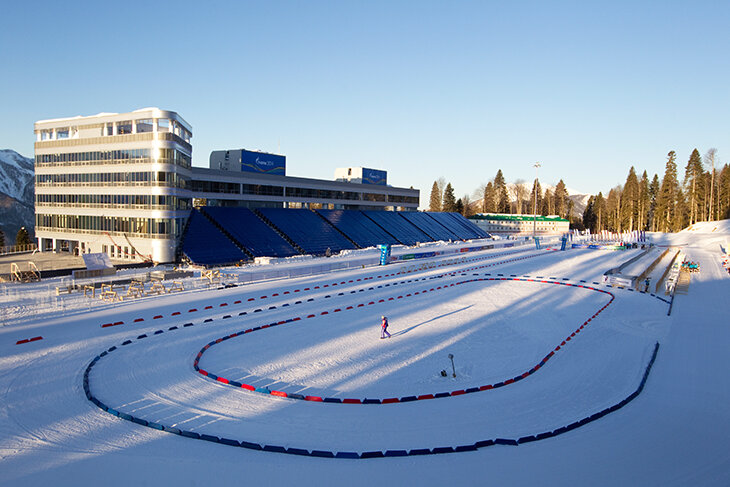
<point x="123" y="184"/>
<point x="520" y="225"/>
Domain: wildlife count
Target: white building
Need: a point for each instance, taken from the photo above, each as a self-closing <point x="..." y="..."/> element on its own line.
<point x="116" y="183"/>
<point x="520" y="225"/>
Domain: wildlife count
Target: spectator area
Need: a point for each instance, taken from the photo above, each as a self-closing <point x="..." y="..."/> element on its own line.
<point x="307" y="229"/>
<point x="406" y="232"/>
<point x="358" y="228"/>
<point x="428" y="225"/>
<point x="251" y="232"/>
<point x="206" y="245"/>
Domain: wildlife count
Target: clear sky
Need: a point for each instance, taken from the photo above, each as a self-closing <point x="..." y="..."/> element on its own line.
<point x="420" y="89"/>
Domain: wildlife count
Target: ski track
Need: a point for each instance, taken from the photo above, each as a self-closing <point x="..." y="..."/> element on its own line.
<point x="495" y="329"/>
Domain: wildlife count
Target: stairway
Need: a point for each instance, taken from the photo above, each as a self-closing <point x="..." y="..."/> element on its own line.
<point x="278" y="231"/>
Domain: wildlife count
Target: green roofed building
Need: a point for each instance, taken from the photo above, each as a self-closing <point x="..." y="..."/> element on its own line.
<point x="520" y="225"/>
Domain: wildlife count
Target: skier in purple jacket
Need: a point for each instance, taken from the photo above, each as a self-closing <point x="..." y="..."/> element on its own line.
<point x="384" y="328"/>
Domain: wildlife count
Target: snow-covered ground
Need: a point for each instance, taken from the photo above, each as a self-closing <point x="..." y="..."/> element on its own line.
<point x="676" y="432"/>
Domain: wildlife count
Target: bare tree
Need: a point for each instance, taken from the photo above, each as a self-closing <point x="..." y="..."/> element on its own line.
<point x="520" y="194"/>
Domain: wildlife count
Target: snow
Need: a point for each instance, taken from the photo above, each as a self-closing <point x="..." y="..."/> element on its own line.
<point x="675" y="433"/>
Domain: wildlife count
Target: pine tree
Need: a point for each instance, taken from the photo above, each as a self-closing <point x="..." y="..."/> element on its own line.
<point x="654" y="189"/>
<point x="459" y="206"/>
<point x="643" y="210"/>
<point x="449" y="202"/>
<point x="501" y="195"/>
<point x="536" y="192"/>
<point x="548" y="203"/>
<point x="589" y="216"/>
<point x="561" y="200"/>
<point x="694" y="186"/>
<point x="666" y="206"/>
<point x="723" y="192"/>
<point x="2" y="238"/>
<point x="613" y="209"/>
<point x="435" y="201"/>
<point x="489" y="204"/>
<point x="599" y="208"/>
<point x="630" y="201"/>
<point x="22" y="237"/>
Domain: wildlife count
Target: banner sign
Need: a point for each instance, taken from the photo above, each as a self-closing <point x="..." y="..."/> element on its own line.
<point x="374" y="176"/>
<point x="263" y="163"/>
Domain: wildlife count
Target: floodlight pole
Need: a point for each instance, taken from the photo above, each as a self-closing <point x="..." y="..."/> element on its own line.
<point x="451" y="356"/>
<point x="534" y="205"/>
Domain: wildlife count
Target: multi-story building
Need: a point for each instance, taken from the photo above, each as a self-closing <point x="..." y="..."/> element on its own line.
<point x="123" y="184"/>
<point x="520" y="225"/>
<point x="116" y="183"/>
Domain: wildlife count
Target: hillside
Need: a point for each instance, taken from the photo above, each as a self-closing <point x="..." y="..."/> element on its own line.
<point x="17" y="189"/>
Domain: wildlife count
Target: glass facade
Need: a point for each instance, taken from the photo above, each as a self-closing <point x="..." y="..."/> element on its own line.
<point x="122" y="156"/>
<point x="129" y="226"/>
<point x="158" y="178"/>
<point x="123" y="201"/>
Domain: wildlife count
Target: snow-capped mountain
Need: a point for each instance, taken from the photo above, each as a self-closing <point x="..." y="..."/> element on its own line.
<point x="17" y="190"/>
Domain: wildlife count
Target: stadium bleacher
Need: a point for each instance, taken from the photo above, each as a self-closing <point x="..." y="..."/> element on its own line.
<point x="358" y="228"/>
<point x="251" y="232"/>
<point x="406" y="232"/>
<point x="304" y="227"/>
<point x="205" y="244"/>
<point x="428" y="225"/>
<point x="458" y="224"/>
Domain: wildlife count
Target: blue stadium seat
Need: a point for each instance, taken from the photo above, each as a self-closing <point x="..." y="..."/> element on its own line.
<point x="400" y="228"/>
<point x="204" y="244"/>
<point x="458" y="225"/>
<point x="359" y="228"/>
<point x="251" y="232"/>
<point x="307" y="229"/>
<point x="429" y="226"/>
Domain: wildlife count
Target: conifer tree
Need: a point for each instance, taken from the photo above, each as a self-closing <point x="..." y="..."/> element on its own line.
<point x="643" y="209"/>
<point x="459" y="206"/>
<point x="589" y="216"/>
<point x="630" y="201"/>
<point x="435" y="200"/>
<point x="723" y="192"/>
<point x="548" y="203"/>
<point x="561" y="200"/>
<point x="2" y="238"/>
<point x="536" y="192"/>
<point x="501" y="194"/>
<point x="599" y="208"/>
<point x="22" y="237"/>
<point x="654" y="188"/>
<point x="489" y="204"/>
<point x="666" y="206"/>
<point x="449" y="201"/>
<point x="694" y="186"/>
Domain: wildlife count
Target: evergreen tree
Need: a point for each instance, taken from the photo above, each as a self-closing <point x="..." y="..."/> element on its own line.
<point x="599" y="208"/>
<point x="548" y="203"/>
<point x="561" y="200"/>
<point x="723" y="192"/>
<point x="666" y="206"/>
<point x="435" y="201"/>
<point x="459" y="206"/>
<point x="501" y="194"/>
<point x="489" y="204"/>
<point x="630" y="201"/>
<point x="613" y="210"/>
<point x="643" y="210"/>
<point x="449" y="201"/>
<point x="535" y="193"/>
<point x="589" y="216"/>
<point x="694" y="186"/>
<point x="2" y="238"/>
<point x="22" y="237"/>
<point x="654" y="188"/>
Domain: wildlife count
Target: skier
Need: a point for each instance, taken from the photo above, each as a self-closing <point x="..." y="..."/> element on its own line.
<point x="384" y="328"/>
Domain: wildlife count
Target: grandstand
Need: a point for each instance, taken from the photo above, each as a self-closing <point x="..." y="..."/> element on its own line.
<point x="358" y="228"/>
<point x="220" y="235"/>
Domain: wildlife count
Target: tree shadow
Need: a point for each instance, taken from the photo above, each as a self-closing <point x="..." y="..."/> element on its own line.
<point x="403" y="332"/>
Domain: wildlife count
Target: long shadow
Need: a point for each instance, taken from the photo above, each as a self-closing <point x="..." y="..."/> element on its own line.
<point x="403" y="332"/>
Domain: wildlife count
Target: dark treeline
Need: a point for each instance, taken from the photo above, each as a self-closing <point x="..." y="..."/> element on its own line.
<point x="494" y="197"/>
<point x="666" y="204"/>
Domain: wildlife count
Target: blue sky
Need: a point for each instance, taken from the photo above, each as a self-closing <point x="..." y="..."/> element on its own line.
<point x="419" y="89"/>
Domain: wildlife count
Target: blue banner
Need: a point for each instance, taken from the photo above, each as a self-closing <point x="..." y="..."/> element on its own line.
<point x="263" y="163"/>
<point x="374" y="176"/>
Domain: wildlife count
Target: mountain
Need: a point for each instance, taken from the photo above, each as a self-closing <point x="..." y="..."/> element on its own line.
<point x="17" y="192"/>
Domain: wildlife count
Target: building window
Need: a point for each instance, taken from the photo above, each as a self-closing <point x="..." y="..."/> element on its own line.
<point x="124" y="127"/>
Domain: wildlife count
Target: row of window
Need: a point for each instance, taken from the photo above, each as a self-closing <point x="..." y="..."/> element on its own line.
<point x="122" y="156"/>
<point x="160" y="178"/>
<point x="124" y="127"/>
<point x="140" y="202"/>
<point x="136" y="227"/>
<point x="294" y="192"/>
